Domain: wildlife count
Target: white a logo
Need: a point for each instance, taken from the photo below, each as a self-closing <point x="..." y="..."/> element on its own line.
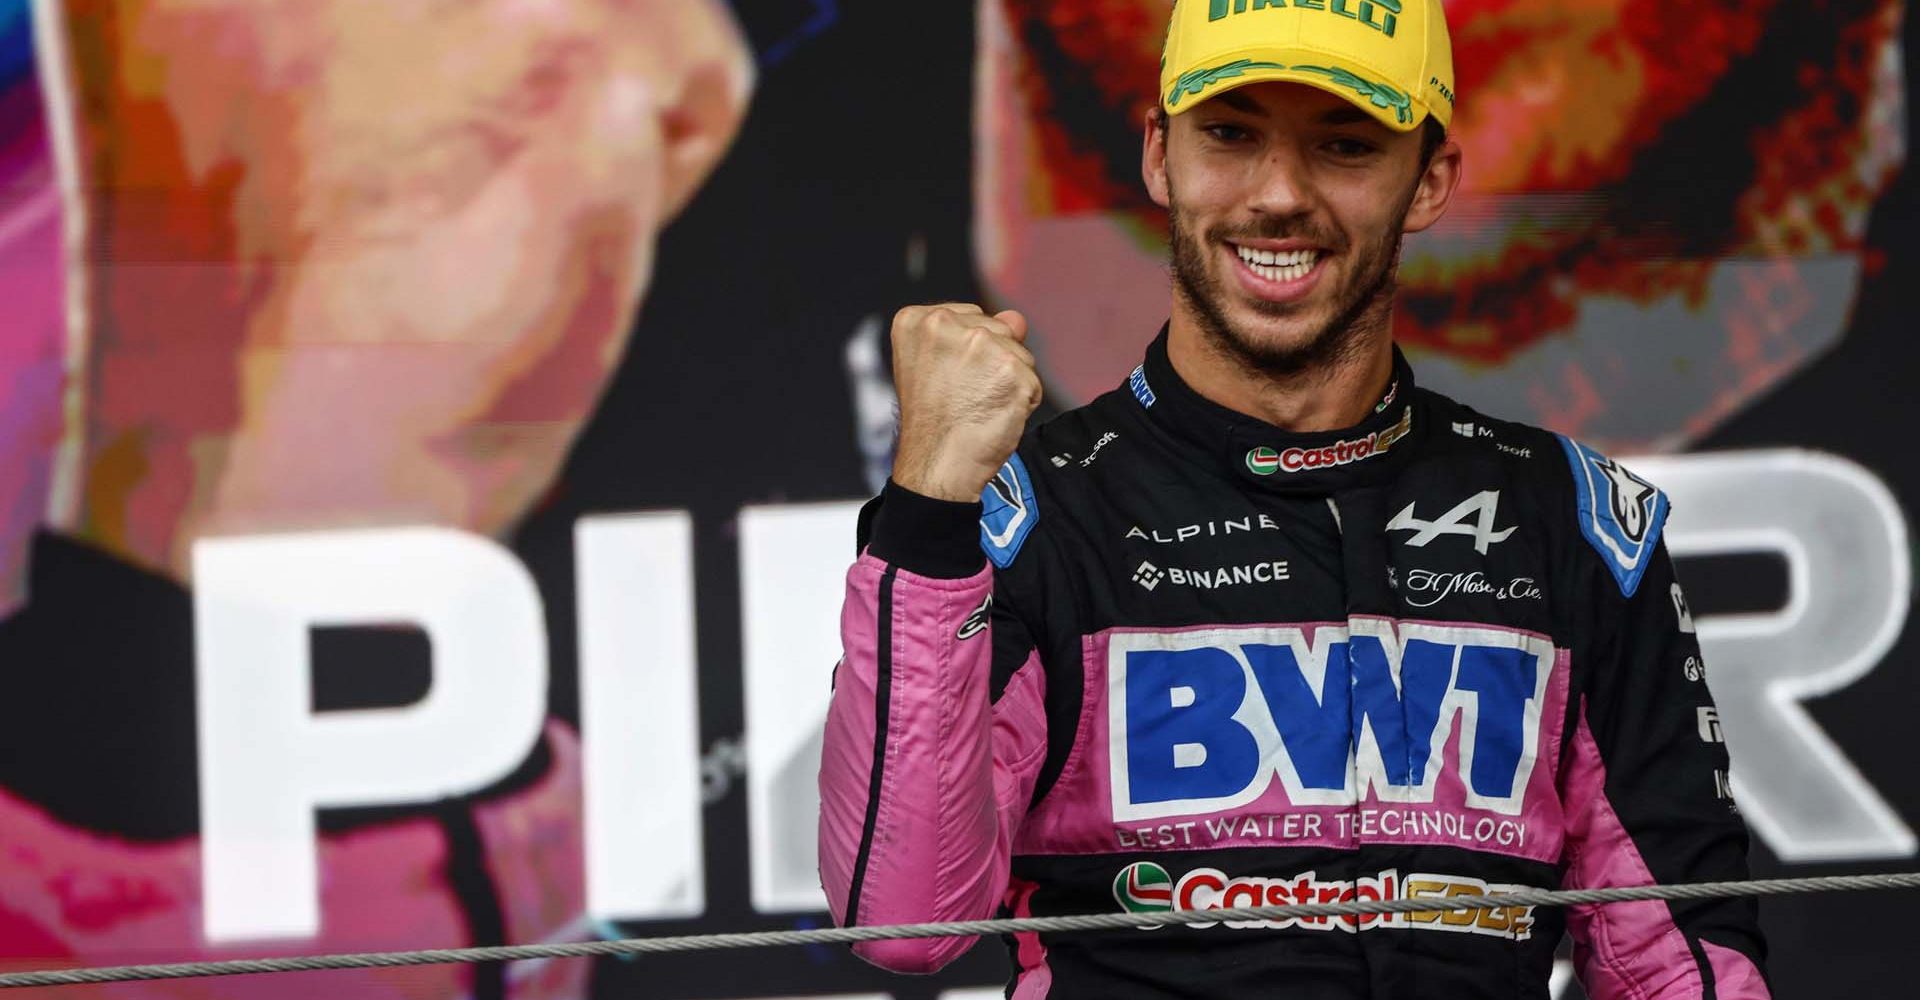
<point x="1453" y="522"/>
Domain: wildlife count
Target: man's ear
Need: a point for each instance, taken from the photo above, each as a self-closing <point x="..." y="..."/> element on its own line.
<point x="698" y="122"/>
<point x="1153" y="157"/>
<point x="1436" y="187"/>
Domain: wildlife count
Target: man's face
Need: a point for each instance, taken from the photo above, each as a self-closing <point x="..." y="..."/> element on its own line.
<point x="1647" y="238"/>
<point x="389" y="309"/>
<point x="1287" y="206"/>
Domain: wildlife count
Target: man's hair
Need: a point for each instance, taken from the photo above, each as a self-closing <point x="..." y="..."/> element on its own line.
<point x="1432" y="135"/>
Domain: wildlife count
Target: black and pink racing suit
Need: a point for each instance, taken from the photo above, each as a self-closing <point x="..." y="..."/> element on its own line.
<point x="1207" y="663"/>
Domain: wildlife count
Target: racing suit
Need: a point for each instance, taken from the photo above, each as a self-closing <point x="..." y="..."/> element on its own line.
<point x="1213" y="663"/>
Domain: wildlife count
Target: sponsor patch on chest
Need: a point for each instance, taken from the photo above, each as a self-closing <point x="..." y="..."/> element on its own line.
<point x="1147" y="887"/>
<point x="1336" y="734"/>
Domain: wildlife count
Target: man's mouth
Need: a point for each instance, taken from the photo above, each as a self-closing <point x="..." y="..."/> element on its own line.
<point x="1279" y="265"/>
<point x="1279" y="275"/>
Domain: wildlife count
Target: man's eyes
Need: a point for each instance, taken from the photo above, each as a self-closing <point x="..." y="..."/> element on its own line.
<point x="1350" y="148"/>
<point x="1343" y="147"/>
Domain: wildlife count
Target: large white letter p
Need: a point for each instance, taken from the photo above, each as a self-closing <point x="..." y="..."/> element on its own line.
<point x="267" y="761"/>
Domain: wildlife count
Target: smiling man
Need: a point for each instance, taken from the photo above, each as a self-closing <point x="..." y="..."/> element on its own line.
<point x="1652" y="236"/>
<point x="1268" y="623"/>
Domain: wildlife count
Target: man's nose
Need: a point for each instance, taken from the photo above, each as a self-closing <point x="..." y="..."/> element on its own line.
<point x="704" y="98"/>
<point x="1281" y="184"/>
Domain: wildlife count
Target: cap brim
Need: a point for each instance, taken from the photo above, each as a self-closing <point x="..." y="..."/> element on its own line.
<point x="1396" y="110"/>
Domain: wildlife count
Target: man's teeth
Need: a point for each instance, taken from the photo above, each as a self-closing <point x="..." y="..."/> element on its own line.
<point x="1289" y="265"/>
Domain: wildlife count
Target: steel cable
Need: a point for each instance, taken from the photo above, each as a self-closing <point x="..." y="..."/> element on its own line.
<point x="964" y="928"/>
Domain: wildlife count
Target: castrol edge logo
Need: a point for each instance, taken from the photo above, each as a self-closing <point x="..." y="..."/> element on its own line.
<point x="1336" y="454"/>
<point x="1147" y="887"/>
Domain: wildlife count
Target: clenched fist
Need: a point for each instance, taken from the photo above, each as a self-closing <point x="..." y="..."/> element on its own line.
<point x="967" y="384"/>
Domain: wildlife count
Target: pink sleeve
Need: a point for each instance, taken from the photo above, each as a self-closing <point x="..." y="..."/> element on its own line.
<point x="1633" y="951"/>
<point x="1645" y="788"/>
<point x="924" y="776"/>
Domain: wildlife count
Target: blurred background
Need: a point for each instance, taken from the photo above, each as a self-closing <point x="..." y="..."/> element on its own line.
<point x="430" y="432"/>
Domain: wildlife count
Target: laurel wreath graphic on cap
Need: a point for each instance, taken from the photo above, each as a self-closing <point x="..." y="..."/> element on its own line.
<point x="1193" y="83"/>
<point x="1380" y="94"/>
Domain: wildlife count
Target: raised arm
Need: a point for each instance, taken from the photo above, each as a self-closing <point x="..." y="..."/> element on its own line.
<point x="937" y="726"/>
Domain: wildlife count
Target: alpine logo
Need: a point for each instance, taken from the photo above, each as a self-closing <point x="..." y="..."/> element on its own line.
<point x="1338" y="453"/>
<point x="1209" y="529"/>
<point x="1146" y="887"/>
<point x="1481" y="506"/>
<point x="1204" y="722"/>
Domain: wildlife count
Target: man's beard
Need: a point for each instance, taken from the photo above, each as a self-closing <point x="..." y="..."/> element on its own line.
<point x="1362" y="307"/>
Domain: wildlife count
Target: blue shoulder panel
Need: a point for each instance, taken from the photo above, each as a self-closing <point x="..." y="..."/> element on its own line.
<point x="1009" y="514"/>
<point x="1620" y="513"/>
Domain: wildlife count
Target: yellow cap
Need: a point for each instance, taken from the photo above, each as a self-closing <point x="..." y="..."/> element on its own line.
<point x="1392" y="58"/>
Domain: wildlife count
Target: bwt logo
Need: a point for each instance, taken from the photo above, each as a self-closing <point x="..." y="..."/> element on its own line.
<point x="1204" y="721"/>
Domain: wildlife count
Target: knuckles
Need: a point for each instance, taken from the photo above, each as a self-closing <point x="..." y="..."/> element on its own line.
<point x="948" y="327"/>
<point x="1009" y="366"/>
<point x="955" y="345"/>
